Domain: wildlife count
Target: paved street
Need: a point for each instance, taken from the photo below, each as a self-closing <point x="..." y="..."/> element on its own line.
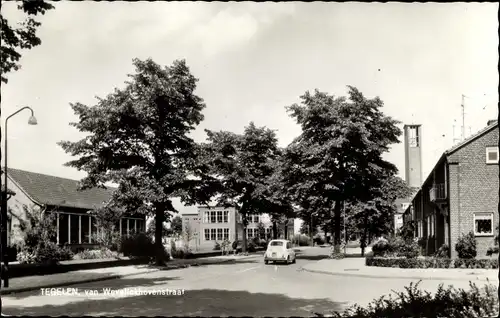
<point x="245" y="288"/>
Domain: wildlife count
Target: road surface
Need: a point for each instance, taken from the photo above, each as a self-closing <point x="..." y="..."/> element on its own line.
<point x="245" y="288"/>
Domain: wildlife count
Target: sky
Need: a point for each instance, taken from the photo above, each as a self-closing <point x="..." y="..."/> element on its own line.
<point x="253" y="59"/>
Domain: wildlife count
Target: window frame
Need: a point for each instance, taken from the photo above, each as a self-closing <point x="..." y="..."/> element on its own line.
<point x="488" y="151"/>
<point x="207" y="234"/>
<point x="484" y="216"/>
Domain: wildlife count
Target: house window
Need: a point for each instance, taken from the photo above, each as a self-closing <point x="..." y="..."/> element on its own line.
<point x="93" y="230"/>
<point x="251" y="233"/>
<point x="226" y="216"/>
<point x="226" y="234"/>
<point x="491" y="155"/>
<point x="75" y="228"/>
<point x="413" y="137"/>
<point x="207" y="234"/>
<point x="483" y="224"/>
<point x="140" y="226"/>
<point x="219" y="234"/>
<point x="124" y="227"/>
<point x="213" y="234"/>
<point x="213" y="217"/>
<point x="63" y="228"/>
<point x="85" y="229"/>
<point x="131" y="224"/>
<point x="255" y="219"/>
<point x="219" y="216"/>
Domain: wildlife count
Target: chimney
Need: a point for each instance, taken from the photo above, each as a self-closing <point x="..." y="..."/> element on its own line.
<point x="492" y="122"/>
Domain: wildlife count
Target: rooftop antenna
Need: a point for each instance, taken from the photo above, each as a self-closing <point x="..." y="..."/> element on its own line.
<point x="463" y="117"/>
<point x="455" y="140"/>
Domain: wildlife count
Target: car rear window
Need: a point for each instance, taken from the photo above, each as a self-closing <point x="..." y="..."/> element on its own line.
<point x="276" y="243"/>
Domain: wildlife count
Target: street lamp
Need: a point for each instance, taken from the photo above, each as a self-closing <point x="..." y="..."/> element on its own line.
<point x="4" y="214"/>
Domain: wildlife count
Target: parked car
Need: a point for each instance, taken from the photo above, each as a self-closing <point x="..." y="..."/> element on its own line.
<point x="280" y="251"/>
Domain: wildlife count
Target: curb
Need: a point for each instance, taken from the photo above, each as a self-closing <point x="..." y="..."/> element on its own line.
<point x="394" y="277"/>
<point x="104" y="278"/>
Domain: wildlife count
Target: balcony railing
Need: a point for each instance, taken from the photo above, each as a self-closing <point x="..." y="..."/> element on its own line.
<point x="437" y="193"/>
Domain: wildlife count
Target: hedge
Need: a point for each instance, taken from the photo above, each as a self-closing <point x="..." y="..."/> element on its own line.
<point x="431" y="262"/>
<point x="416" y="302"/>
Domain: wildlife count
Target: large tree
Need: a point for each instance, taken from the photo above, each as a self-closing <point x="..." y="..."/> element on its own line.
<point x="338" y="155"/>
<point x="375" y="217"/>
<point x="137" y="137"/>
<point x="244" y="165"/>
<point x="21" y="37"/>
<point x="13" y="40"/>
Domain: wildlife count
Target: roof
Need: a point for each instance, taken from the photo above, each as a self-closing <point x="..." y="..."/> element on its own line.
<point x="492" y="125"/>
<point x="485" y="130"/>
<point x="49" y="190"/>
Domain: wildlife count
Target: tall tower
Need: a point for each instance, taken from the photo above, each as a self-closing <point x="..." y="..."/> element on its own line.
<point x="413" y="155"/>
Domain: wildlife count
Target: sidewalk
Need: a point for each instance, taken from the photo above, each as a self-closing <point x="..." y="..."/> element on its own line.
<point x="356" y="267"/>
<point x="30" y="283"/>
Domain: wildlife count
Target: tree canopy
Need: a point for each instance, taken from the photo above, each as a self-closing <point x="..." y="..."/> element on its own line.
<point x="338" y="155"/>
<point x="137" y="137"/>
<point x="22" y="37"/>
<point x="245" y="167"/>
<point x="176" y="225"/>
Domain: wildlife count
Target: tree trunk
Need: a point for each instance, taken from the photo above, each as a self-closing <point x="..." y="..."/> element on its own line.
<point x="244" y="238"/>
<point x="159" y="217"/>
<point x="337" y="215"/>
<point x="286" y="230"/>
<point x="275" y="230"/>
<point x="364" y="236"/>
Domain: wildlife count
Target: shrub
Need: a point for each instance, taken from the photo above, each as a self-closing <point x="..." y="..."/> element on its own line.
<point x="382" y="248"/>
<point x="301" y="239"/>
<point x="319" y="240"/>
<point x="226" y="244"/>
<point x="108" y="239"/>
<point x="443" y="251"/>
<point x="466" y="246"/>
<point x="430" y="262"/>
<point x="251" y="247"/>
<point x="26" y="257"/>
<point x="408" y="262"/>
<point x="492" y="250"/>
<point x="237" y="245"/>
<point x="217" y="246"/>
<point x="408" y="250"/>
<point x="101" y="253"/>
<point x="173" y="248"/>
<point x="446" y="302"/>
<point x="50" y="253"/>
<point x="141" y="245"/>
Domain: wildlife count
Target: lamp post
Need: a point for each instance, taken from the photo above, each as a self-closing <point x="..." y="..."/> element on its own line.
<point x="3" y="246"/>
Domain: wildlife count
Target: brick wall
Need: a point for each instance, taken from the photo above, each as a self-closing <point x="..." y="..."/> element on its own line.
<point x="473" y="189"/>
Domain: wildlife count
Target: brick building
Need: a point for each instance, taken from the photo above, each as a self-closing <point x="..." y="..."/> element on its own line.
<point x="74" y="226"/>
<point x="460" y="195"/>
<point x="216" y="224"/>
